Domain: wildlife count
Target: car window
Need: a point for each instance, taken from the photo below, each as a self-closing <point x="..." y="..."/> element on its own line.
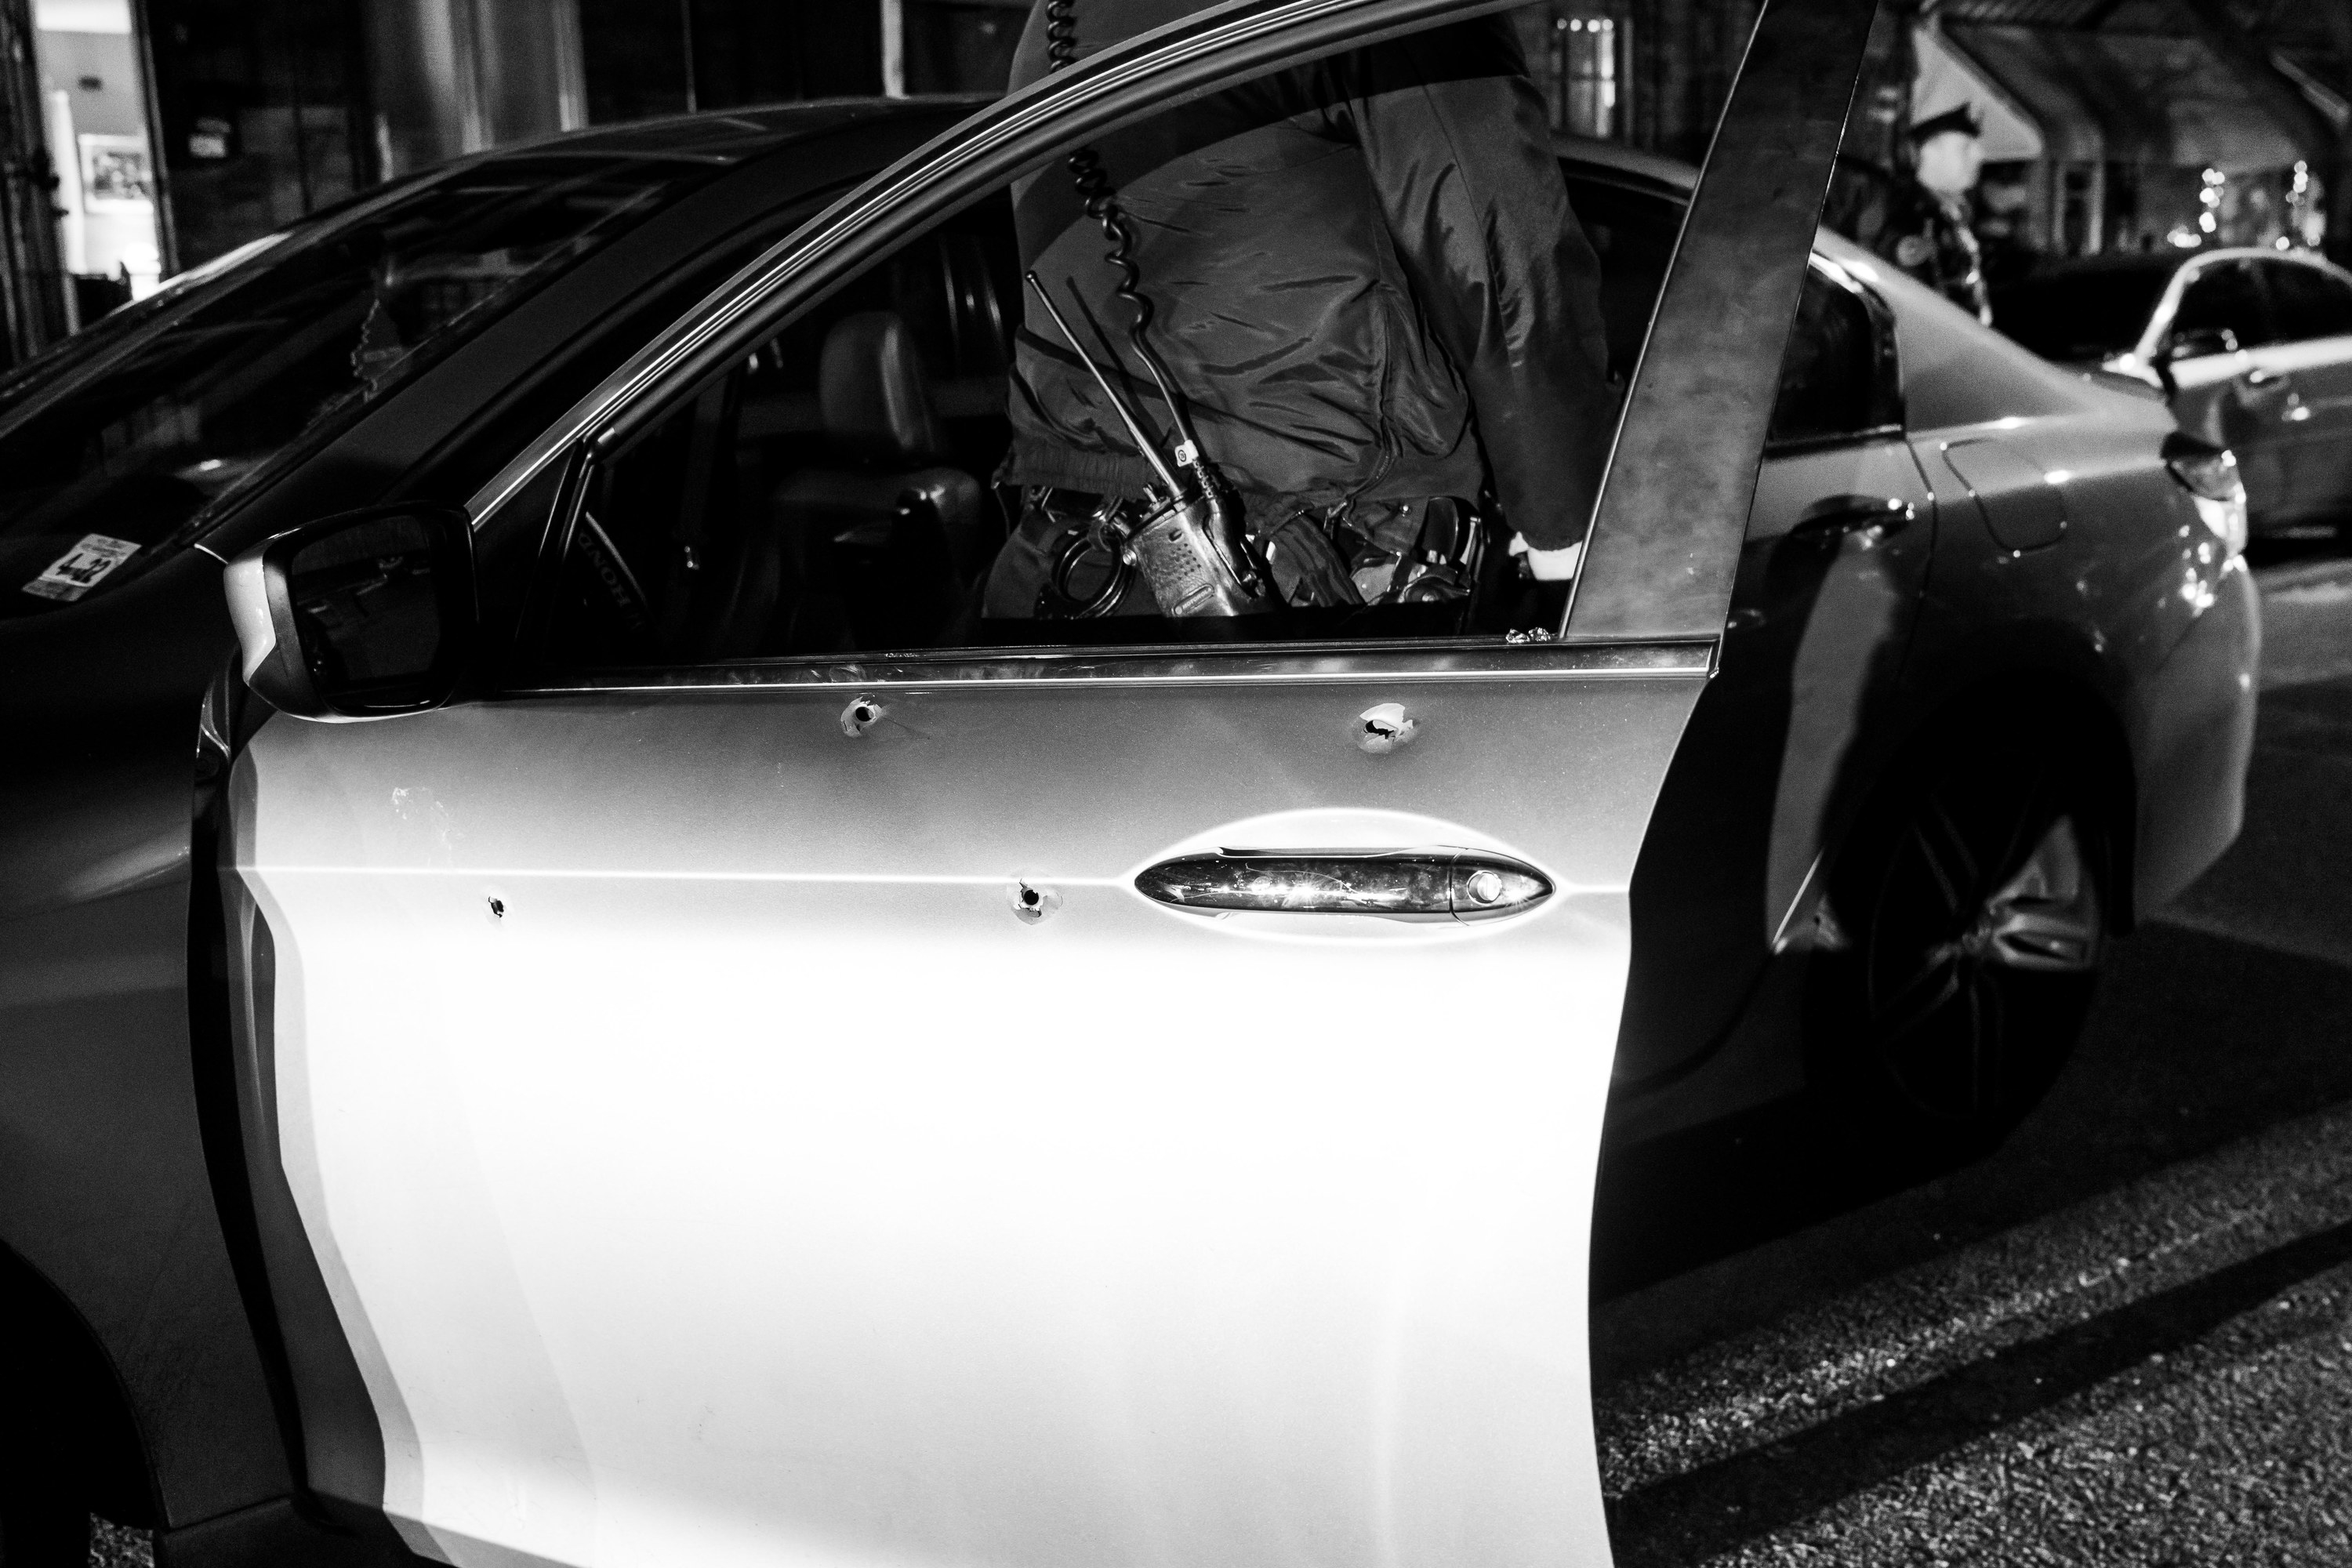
<point x="2093" y="313"/>
<point x="1828" y="376"/>
<point x="2308" y="302"/>
<point x="930" y="458"/>
<point x="1633" y="233"/>
<point x="2225" y="297"/>
<point x="105" y="458"/>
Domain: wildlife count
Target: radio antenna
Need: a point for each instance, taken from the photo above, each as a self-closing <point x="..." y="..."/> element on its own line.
<point x="1120" y="401"/>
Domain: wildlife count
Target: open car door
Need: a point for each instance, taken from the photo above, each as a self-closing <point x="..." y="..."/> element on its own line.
<point x="800" y="1109"/>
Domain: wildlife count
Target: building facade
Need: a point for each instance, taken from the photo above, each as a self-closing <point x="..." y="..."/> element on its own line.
<point x="145" y="136"/>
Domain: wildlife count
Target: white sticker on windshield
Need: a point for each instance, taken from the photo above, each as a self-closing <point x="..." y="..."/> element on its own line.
<point x="82" y="568"/>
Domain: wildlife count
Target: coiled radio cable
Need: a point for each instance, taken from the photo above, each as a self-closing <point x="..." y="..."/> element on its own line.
<point x="1100" y="201"/>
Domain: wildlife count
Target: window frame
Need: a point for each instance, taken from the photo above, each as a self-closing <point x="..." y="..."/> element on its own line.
<point x="2189" y="276"/>
<point x="1660" y="567"/>
<point x="1889" y="417"/>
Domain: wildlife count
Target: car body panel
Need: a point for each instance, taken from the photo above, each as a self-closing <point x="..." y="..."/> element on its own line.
<point x="778" y="1172"/>
<point x="2233" y="400"/>
<point x="108" y="1194"/>
<point x="2195" y="725"/>
<point x="2309" y="384"/>
<point x="2284" y="406"/>
<point x="1819" y="627"/>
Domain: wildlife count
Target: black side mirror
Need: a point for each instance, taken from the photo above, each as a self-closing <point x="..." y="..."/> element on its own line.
<point x="362" y="616"/>
<point x="2200" y="343"/>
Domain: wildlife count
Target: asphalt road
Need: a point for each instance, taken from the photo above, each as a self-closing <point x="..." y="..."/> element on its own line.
<point x="2125" y="1338"/>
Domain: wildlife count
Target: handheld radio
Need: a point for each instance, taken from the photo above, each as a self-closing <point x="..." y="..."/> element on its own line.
<point x="1192" y="542"/>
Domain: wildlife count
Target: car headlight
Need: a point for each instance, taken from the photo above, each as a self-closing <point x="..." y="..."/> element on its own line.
<point x="2210" y="478"/>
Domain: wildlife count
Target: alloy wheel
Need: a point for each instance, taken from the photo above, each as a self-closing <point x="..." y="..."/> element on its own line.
<point x="1975" y="924"/>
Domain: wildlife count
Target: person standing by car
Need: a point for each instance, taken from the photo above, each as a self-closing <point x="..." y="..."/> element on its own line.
<point x="1929" y="233"/>
<point x="1919" y="218"/>
<point x="1363" y="276"/>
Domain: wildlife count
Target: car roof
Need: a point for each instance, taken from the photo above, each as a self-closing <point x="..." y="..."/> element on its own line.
<point x="717" y="130"/>
<point x="727" y="130"/>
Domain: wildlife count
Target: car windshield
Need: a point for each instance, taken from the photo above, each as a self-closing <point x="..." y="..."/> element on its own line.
<point x="2086" y="314"/>
<point x="112" y="446"/>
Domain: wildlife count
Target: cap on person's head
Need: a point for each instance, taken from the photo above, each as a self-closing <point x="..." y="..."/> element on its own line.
<point x="1962" y="118"/>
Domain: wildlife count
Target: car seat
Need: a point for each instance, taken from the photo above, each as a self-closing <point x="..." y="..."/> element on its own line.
<point x="887" y="532"/>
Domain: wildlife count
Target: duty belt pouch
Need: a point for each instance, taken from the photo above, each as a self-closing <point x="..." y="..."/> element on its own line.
<point x="1422" y="553"/>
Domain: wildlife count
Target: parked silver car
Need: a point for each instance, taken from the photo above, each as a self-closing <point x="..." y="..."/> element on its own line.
<point x="2253" y="349"/>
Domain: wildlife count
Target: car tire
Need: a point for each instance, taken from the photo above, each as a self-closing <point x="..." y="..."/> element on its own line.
<point x="1958" y="944"/>
<point x="42" y="1524"/>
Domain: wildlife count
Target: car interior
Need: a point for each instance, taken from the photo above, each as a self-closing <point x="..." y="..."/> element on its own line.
<point x="146" y="432"/>
<point x="833" y="493"/>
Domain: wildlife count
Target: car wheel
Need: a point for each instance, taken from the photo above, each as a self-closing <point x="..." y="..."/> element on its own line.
<point x="1962" y="944"/>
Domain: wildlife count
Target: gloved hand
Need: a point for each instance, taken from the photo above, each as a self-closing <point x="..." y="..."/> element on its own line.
<point x="1548" y="565"/>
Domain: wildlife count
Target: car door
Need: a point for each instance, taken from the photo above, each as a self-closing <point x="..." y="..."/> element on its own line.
<point x="2218" y="321"/>
<point x="780" y="1105"/>
<point x="2312" y="362"/>
<point x="1829" y="573"/>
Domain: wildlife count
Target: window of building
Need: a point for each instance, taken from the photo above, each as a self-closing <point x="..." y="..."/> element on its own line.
<point x="94" y="110"/>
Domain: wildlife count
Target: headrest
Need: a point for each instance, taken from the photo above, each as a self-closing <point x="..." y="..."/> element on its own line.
<point x="872" y="391"/>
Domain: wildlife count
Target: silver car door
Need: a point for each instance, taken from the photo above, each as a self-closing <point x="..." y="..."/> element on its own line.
<point x="2224" y="395"/>
<point x="757" y="1112"/>
<point x="2311" y="306"/>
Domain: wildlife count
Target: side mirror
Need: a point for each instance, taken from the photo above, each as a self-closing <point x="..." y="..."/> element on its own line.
<point x="2201" y="344"/>
<point x="362" y="616"/>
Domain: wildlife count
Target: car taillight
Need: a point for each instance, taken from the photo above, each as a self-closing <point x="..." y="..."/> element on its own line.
<point x="2210" y="478"/>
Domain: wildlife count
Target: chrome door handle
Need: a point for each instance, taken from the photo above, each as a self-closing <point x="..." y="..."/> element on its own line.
<point x="1833" y="517"/>
<point x="1438" y="883"/>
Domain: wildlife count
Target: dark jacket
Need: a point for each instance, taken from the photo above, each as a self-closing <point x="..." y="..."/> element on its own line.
<point x="1363" y="270"/>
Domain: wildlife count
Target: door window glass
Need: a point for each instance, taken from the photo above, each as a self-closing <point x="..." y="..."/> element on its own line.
<point x="110" y="446"/>
<point x="1828" y="378"/>
<point x="1633" y="232"/>
<point x="2224" y="297"/>
<point x="2309" y="303"/>
<point x="2085" y="309"/>
<point x="1373" y="312"/>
